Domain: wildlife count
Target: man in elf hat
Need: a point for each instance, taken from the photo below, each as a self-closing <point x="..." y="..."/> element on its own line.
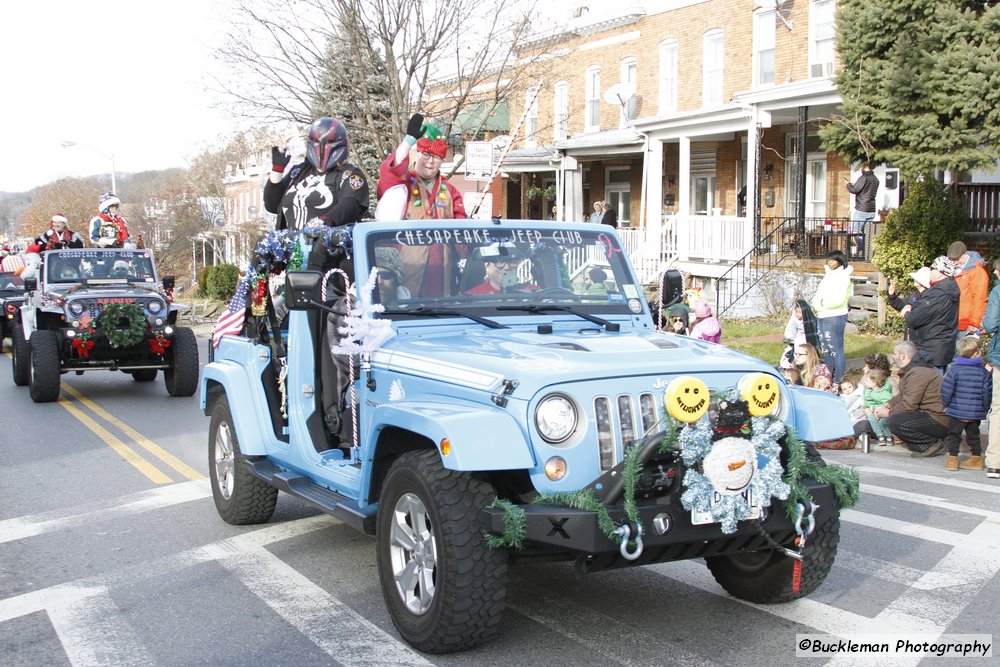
<point x="108" y="229"/>
<point x="430" y="196"/>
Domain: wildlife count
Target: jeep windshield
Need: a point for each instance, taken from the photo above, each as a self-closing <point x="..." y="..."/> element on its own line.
<point x="505" y="270"/>
<point x="98" y="267"/>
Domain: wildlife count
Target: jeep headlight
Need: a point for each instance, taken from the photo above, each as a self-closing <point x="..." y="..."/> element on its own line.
<point x="155" y="306"/>
<point x="76" y="308"/>
<point x="555" y="418"/>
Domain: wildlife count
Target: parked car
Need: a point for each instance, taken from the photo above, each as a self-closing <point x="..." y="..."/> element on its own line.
<point x="101" y="309"/>
<point x="11" y="298"/>
<point x="498" y="409"/>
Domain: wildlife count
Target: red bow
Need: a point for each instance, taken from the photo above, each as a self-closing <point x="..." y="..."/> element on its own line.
<point x="82" y="347"/>
<point x="437" y="147"/>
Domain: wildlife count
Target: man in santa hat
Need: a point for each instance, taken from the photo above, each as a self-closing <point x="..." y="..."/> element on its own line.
<point x="57" y="236"/>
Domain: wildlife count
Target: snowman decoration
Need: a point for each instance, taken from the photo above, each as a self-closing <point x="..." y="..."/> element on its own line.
<point x="731" y="452"/>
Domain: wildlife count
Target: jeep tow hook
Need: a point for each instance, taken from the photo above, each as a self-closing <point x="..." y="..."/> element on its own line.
<point x="625" y="532"/>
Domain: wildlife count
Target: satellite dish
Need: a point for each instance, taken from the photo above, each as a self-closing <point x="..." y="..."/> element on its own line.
<point x="619" y="94"/>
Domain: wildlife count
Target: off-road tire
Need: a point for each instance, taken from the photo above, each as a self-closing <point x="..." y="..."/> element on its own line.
<point x="765" y="577"/>
<point x="470" y="579"/>
<point x="43" y="382"/>
<point x="182" y="376"/>
<point x="240" y="498"/>
<point x="144" y="374"/>
<point x="20" y="356"/>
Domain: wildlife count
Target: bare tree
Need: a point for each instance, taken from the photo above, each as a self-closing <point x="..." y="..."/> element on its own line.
<point x="438" y="56"/>
<point x="76" y="198"/>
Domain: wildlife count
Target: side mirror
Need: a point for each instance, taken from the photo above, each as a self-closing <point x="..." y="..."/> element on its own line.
<point x="302" y="289"/>
<point x="30" y="284"/>
<point x="671" y="288"/>
<point x="168" y="283"/>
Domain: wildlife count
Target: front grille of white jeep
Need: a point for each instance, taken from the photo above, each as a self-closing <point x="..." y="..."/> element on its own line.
<point x="619" y="425"/>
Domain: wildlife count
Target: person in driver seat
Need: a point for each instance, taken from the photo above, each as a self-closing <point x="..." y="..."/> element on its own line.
<point x="121" y="269"/>
<point x="67" y="272"/>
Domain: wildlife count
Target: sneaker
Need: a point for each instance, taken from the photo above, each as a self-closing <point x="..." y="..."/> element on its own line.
<point x="993" y="473"/>
<point x="884" y="440"/>
<point x="935" y="449"/>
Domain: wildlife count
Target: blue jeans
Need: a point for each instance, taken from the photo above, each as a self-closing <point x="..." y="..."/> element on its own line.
<point x="831" y="339"/>
<point x="859" y="219"/>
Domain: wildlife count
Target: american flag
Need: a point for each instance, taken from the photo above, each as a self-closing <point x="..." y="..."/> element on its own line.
<point x="231" y="320"/>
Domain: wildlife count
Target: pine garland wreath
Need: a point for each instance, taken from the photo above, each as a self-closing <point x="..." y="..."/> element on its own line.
<point x="514" y="526"/>
<point x="110" y="319"/>
<point x="844" y="480"/>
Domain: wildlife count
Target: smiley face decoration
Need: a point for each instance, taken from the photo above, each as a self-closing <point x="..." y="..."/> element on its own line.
<point x="686" y="399"/>
<point x="761" y="393"/>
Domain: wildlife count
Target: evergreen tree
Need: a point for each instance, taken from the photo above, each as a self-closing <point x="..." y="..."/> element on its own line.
<point x="355" y="90"/>
<point x="920" y="84"/>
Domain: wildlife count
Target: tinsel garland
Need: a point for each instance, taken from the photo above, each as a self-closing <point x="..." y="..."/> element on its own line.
<point x="110" y="318"/>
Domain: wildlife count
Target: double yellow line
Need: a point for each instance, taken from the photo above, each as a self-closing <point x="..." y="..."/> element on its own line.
<point x="123" y="450"/>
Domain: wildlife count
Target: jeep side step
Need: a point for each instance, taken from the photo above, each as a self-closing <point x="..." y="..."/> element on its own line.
<point x="319" y="497"/>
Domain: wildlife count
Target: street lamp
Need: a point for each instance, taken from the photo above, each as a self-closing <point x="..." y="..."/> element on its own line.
<point x="70" y="144"/>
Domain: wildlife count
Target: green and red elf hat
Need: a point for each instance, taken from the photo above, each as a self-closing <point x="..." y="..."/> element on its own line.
<point x="431" y="142"/>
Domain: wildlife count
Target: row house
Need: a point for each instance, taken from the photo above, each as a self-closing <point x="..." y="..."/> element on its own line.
<point x="243" y="219"/>
<point x="687" y="116"/>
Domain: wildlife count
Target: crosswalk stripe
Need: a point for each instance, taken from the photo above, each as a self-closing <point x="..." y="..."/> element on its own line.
<point x="960" y="481"/>
<point x="94" y="633"/>
<point x="107" y="510"/>
<point x="901" y="527"/>
<point x="930" y="501"/>
<point x="334" y="627"/>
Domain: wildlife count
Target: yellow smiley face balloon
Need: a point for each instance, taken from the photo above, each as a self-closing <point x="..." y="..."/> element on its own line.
<point x="761" y="393"/>
<point x="686" y="399"/>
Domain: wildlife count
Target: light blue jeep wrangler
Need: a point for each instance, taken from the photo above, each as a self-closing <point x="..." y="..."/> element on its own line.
<point x="515" y="401"/>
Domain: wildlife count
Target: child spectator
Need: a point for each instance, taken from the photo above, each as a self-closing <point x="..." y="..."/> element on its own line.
<point x="677" y="321"/>
<point x="801" y="328"/>
<point x="792" y="375"/>
<point x="966" y="393"/>
<point x="853" y="398"/>
<point x="706" y="326"/>
<point x="877" y="392"/>
<point x="814" y="373"/>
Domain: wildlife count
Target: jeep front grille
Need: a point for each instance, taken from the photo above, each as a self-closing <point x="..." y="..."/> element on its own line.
<point x="619" y="431"/>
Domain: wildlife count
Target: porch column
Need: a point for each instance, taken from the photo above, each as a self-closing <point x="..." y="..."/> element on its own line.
<point x="682" y="219"/>
<point x="572" y="185"/>
<point x="654" y="190"/>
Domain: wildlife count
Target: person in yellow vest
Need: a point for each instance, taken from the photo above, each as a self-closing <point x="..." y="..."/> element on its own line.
<point x="430" y="196"/>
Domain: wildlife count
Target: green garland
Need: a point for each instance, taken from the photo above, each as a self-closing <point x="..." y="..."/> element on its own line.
<point x="110" y="318"/>
<point x="844" y="480"/>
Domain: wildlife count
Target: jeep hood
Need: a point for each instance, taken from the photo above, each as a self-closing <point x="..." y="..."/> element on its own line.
<point x="482" y="359"/>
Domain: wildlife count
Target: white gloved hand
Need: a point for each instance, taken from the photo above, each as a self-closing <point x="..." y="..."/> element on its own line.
<point x="105" y="242"/>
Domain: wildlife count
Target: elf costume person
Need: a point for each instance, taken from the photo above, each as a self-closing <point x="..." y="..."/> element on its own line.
<point x="57" y="236"/>
<point x="107" y="228"/>
<point x="430" y="196"/>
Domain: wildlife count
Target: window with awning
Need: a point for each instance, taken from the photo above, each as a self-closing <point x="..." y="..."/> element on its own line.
<point x="479" y="117"/>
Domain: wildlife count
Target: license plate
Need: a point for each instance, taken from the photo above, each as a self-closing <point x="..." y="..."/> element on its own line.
<point x="702" y="517"/>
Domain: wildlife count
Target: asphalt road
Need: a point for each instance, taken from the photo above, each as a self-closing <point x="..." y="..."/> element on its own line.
<point x="111" y="553"/>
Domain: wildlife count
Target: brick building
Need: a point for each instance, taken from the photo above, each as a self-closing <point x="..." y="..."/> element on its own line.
<point x="668" y="109"/>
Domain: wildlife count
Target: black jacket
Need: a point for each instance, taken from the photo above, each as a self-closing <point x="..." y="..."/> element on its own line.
<point x="610" y="218"/>
<point x="933" y="322"/>
<point x="304" y="196"/>
<point x="864" y="190"/>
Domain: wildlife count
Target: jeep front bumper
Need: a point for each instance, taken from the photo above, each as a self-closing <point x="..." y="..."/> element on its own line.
<point x="668" y="533"/>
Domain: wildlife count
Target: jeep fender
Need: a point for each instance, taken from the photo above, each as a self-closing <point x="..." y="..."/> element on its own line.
<point x="820" y="415"/>
<point x="481" y="437"/>
<point x="252" y="427"/>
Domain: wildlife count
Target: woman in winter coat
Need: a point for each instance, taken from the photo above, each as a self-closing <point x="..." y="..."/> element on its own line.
<point x="830" y="304"/>
<point x="933" y="318"/>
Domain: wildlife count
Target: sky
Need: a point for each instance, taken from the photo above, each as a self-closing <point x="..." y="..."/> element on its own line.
<point x="121" y="78"/>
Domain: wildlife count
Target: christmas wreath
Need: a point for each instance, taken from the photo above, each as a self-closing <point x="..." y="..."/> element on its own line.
<point x="124" y="324"/>
<point x="730" y="443"/>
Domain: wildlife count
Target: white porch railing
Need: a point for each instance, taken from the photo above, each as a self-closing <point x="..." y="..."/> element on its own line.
<point x="695" y="238"/>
